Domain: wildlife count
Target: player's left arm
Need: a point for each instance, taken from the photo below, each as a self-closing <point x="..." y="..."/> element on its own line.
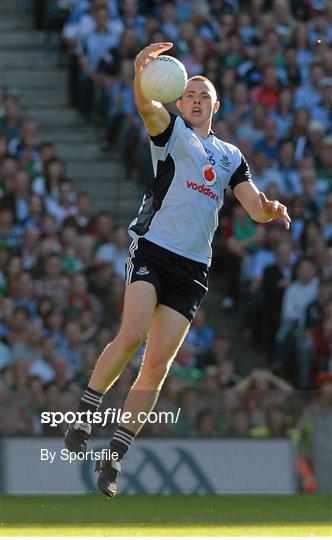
<point x="259" y="208"/>
<point x="155" y="116"/>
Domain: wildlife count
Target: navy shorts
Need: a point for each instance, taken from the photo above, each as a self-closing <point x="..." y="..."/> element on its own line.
<point x="180" y="283"/>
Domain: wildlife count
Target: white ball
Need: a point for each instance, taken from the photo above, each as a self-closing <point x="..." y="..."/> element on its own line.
<point x="164" y="79"/>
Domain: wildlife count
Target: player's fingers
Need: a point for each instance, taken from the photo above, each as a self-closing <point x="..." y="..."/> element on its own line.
<point x="275" y="206"/>
<point x="167" y="46"/>
<point x="145" y="58"/>
<point x="155" y="47"/>
<point x="141" y="59"/>
<point x="151" y="52"/>
<point x="282" y="210"/>
<point x="159" y="51"/>
<point x="286" y="218"/>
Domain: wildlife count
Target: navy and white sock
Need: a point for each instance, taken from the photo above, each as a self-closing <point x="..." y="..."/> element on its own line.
<point x="90" y="401"/>
<point x="122" y="441"/>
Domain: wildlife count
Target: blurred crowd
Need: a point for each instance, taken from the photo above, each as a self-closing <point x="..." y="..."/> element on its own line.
<point x="62" y="264"/>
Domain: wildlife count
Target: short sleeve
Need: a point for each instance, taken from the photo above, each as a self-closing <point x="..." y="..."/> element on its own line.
<point x="162" y="139"/>
<point x="163" y="144"/>
<point x="241" y="173"/>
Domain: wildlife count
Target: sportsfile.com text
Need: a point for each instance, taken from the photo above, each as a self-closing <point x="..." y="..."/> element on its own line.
<point x="111" y="415"/>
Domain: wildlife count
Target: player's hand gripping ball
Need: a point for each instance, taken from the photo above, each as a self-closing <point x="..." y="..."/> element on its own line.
<point x="163" y="79"/>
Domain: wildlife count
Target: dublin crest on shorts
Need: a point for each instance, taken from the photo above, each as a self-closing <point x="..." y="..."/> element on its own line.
<point x="142" y="271"/>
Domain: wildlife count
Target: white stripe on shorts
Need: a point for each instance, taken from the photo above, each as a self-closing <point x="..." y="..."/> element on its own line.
<point x="129" y="263"/>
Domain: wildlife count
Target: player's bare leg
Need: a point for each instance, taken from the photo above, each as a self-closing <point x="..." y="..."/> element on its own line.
<point x="167" y="332"/>
<point x="139" y="305"/>
<point x="166" y="335"/>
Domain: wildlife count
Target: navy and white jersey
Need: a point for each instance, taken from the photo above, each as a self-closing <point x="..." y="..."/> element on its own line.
<point x="180" y="208"/>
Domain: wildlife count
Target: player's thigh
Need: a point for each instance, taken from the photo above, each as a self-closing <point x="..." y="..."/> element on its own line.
<point x="139" y="306"/>
<point x="167" y="332"/>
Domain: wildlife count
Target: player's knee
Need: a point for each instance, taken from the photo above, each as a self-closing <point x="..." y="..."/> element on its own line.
<point x="131" y="340"/>
<point x="156" y="370"/>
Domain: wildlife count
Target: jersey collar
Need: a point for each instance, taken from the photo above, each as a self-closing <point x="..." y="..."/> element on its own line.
<point x="211" y="132"/>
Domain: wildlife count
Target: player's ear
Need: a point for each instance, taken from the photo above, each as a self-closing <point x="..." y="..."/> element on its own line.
<point x="179" y="104"/>
<point x="216" y="107"/>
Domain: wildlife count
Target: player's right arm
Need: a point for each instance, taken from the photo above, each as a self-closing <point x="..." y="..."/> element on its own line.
<point x="154" y="115"/>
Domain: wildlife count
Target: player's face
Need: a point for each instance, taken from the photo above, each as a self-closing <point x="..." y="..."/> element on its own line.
<point x="198" y="103"/>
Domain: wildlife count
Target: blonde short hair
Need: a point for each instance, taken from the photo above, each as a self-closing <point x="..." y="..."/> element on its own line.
<point x="206" y="80"/>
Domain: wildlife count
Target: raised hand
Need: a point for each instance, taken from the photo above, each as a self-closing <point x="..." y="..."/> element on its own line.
<point x="150" y="53"/>
<point x="275" y="210"/>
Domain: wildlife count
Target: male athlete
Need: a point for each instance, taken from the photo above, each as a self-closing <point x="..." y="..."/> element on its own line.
<point x="170" y="253"/>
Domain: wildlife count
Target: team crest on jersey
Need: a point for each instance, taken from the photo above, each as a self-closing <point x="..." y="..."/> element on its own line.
<point x="209" y="175"/>
<point x="225" y="163"/>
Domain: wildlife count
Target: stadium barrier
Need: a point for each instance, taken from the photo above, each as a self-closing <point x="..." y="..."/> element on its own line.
<point x="185" y="466"/>
<point x="321" y="450"/>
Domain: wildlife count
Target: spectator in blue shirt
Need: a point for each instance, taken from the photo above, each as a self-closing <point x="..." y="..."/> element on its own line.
<point x="71" y="348"/>
<point x="309" y="94"/>
<point x="290" y="178"/>
<point x="11" y="121"/>
<point x="201" y="335"/>
<point x="269" y="143"/>
<point x="96" y="49"/>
